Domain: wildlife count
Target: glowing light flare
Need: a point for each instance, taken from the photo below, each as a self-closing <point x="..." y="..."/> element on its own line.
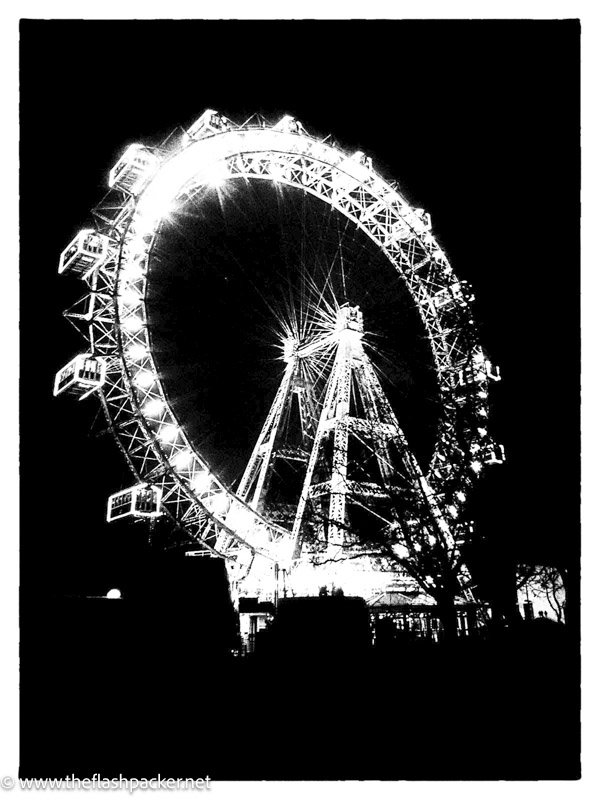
<point x="168" y="433"/>
<point x="352" y="171"/>
<point x="137" y="351"/>
<point x="144" y="379"/>
<point x="154" y="212"/>
<point x="215" y="174"/>
<point x="277" y="171"/>
<point x="183" y="459"/>
<point x="132" y="268"/>
<point x="400" y="550"/>
<point x="218" y="504"/>
<point x="153" y="407"/>
<point x="130" y="297"/>
<point x="132" y="323"/>
<point x="201" y="482"/>
<point x="239" y="517"/>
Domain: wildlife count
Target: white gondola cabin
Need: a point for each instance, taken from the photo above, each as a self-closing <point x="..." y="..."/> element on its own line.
<point x="478" y="371"/>
<point x="134" y="169"/>
<point x="209" y="122"/>
<point x="142" y="500"/>
<point x="494" y="454"/>
<point x="289" y="124"/>
<point x="81" y="376"/>
<point x="424" y="220"/>
<point x="88" y="251"/>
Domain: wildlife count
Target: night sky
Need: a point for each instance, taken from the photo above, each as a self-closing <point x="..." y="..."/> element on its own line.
<point x="479" y="124"/>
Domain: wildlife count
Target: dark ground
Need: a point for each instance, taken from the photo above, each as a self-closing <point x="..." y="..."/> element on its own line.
<point x="147" y="685"/>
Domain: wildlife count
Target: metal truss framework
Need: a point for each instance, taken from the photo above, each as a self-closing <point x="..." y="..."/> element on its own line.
<point x="146" y="185"/>
<point x="353" y="407"/>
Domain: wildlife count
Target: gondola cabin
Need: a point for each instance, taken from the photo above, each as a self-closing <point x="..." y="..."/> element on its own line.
<point x="137" y="501"/>
<point x="81" y="376"/>
<point x="134" y="169"/>
<point x="88" y="251"/>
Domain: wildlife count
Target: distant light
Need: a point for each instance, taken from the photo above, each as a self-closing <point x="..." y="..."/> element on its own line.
<point x="481" y="431"/>
<point x="400" y="550"/>
<point x="461" y="497"/>
<point x="144" y="379"/>
<point x="168" y="433"/>
<point x="133" y="323"/>
<point x="482" y="412"/>
<point x="154" y="209"/>
<point x="153" y="407"/>
<point x="476" y="466"/>
<point x="137" y="351"/>
<point x="113" y="594"/>
<point x="453" y="511"/>
<point x="201" y="482"/>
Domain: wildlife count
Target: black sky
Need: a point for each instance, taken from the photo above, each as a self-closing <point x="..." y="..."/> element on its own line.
<point x="478" y="122"/>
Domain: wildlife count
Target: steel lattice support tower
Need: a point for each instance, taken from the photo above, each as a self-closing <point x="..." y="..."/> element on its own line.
<point x="351" y="383"/>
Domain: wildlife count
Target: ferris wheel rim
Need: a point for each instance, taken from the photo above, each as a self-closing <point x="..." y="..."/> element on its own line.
<point x="139" y="228"/>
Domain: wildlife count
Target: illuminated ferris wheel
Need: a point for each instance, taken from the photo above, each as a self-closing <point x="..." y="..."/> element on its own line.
<point x="330" y="418"/>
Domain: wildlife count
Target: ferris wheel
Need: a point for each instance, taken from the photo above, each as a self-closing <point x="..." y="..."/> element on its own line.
<point x="329" y="379"/>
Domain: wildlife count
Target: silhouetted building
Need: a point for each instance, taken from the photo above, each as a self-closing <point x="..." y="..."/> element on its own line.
<point x="412" y="616"/>
<point x="325" y="624"/>
<point x="255" y="617"/>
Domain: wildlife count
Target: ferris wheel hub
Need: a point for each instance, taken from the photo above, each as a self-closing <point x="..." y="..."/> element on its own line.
<point x="349" y="318"/>
<point x="290" y="349"/>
